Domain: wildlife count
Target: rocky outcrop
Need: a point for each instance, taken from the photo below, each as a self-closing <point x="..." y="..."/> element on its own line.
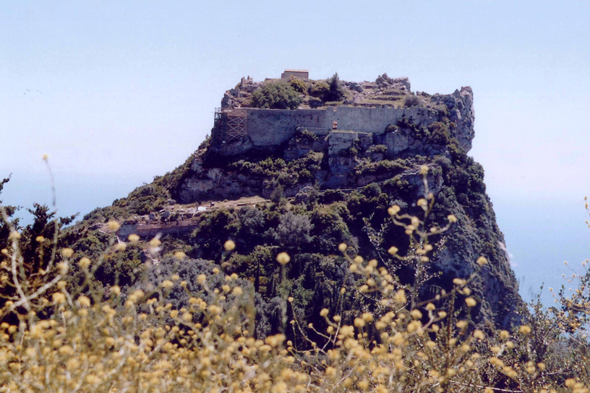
<point x="376" y="106"/>
<point x="305" y="161"/>
<point x="461" y="112"/>
<point x="340" y="183"/>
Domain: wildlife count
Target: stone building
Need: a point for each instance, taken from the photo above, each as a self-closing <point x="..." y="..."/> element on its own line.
<point x="301" y="74"/>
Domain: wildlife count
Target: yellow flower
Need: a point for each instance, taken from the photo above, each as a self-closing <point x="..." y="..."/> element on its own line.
<point x="359" y="322"/>
<point x="45" y="157"/>
<point x="430" y="307"/>
<point x="229" y="245"/>
<point x="201" y="278"/>
<point x="470" y="302"/>
<point x="155" y="242"/>
<point x="481" y="261"/>
<point x="83" y="301"/>
<point x="84" y="263"/>
<point x="179" y="255"/>
<point x="67" y="252"/>
<point x="133" y="238"/>
<point x="400" y="297"/>
<point x="452" y="218"/>
<point x="524" y="329"/>
<point x="40" y="239"/>
<point x="283" y="258"/>
<point x="423" y="169"/>
<point x="63" y="268"/>
<point x="167" y="284"/>
<point x="115" y="290"/>
<point x="324" y="312"/>
<point x="392" y="250"/>
<point x="367" y="317"/>
<point x="58" y="298"/>
<point x="393" y="210"/>
<point x="342" y="247"/>
<point x="237" y="291"/>
<point x="113" y="225"/>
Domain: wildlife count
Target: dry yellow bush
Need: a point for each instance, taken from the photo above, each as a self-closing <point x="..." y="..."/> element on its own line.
<point x="57" y="340"/>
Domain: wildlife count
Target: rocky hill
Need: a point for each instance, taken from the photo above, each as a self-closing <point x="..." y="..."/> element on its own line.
<point x="306" y="179"/>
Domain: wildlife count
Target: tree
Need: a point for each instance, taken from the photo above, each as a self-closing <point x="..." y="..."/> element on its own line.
<point x="336" y="90"/>
<point x="276" y="95"/>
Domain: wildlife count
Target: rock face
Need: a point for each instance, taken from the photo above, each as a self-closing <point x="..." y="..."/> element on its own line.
<point x="460" y="106"/>
<point x="305" y="180"/>
<point x="379" y="158"/>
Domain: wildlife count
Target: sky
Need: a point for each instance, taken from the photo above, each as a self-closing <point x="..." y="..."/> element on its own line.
<point x="119" y="92"/>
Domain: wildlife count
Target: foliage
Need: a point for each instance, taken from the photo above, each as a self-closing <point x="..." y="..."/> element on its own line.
<point x="336" y="92"/>
<point x="275" y="95"/>
<point x="320" y="89"/>
<point x="144" y="199"/>
<point x="299" y="85"/>
<point x="286" y="174"/>
<point x="411" y="101"/>
<point x="377" y="149"/>
<point x="185" y="325"/>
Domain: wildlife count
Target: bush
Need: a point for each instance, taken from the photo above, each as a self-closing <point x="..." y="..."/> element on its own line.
<point x="187" y="326"/>
<point x="298" y="85"/>
<point x="275" y="95"/>
<point x="411" y="101"/>
<point x="293" y="230"/>
<point x="320" y="90"/>
<point x="336" y="90"/>
<point x="377" y="149"/>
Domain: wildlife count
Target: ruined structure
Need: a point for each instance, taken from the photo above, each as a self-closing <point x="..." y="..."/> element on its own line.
<point x="301" y="74"/>
<point x="342" y="164"/>
<point x="239" y="129"/>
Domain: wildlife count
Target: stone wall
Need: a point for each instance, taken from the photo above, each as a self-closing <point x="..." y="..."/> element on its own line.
<point x="271" y="127"/>
<point x="301" y="74"/>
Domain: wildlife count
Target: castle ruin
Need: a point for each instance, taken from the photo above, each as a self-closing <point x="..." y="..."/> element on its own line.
<point x="239" y="128"/>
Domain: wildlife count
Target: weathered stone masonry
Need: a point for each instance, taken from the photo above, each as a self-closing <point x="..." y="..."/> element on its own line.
<point x="270" y="127"/>
<point x="238" y="130"/>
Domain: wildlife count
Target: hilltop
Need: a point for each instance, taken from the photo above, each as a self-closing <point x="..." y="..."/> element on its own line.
<point x="308" y="177"/>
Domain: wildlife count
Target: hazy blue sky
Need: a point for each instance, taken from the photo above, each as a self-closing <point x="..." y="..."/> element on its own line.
<point x="117" y="92"/>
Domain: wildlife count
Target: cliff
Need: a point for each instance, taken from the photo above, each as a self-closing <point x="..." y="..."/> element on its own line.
<point x="305" y="180"/>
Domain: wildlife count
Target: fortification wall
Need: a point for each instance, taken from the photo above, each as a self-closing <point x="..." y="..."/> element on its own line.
<point x="239" y="130"/>
<point x="269" y="127"/>
<point x="375" y="120"/>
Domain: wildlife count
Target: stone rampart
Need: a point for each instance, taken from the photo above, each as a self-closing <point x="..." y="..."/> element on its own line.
<point x="260" y="128"/>
<point x="238" y="130"/>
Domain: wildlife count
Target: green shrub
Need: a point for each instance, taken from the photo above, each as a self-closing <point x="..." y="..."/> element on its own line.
<point x="377" y="149"/>
<point x="188" y="325"/>
<point x="275" y="95"/>
<point x="320" y="89"/>
<point x="336" y="92"/>
<point x="411" y="101"/>
<point x="299" y="85"/>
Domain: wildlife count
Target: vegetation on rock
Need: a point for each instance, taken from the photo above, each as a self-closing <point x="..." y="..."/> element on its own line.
<point x="275" y="95"/>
